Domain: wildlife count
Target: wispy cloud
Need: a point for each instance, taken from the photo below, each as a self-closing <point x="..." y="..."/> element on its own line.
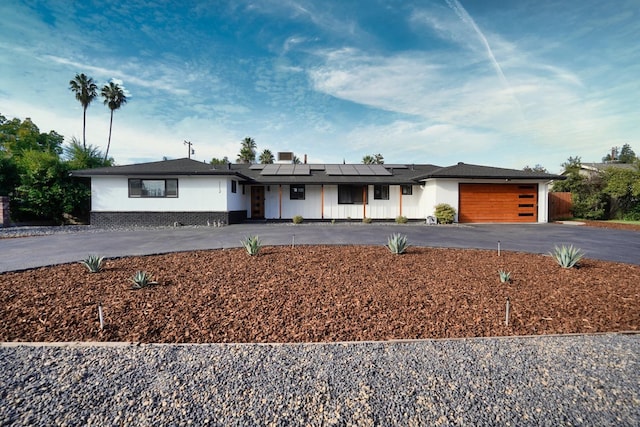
<point x="161" y="83"/>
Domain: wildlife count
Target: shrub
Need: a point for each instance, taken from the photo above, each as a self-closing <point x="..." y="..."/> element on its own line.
<point x="297" y="219"/>
<point x="401" y="219"/>
<point x="397" y="243"/>
<point x="567" y="256"/>
<point x="367" y="220"/>
<point x="142" y="279"/>
<point x="505" y="276"/>
<point x="445" y="213"/>
<point x="252" y="244"/>
<point x="93" y="263"/>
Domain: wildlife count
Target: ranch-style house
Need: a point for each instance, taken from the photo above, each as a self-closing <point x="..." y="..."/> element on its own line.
<point x="190" y="192"/>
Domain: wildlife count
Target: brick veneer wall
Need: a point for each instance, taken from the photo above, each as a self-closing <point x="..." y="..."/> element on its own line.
<point x="5" y="219"/>
<point x="164" y="219"/>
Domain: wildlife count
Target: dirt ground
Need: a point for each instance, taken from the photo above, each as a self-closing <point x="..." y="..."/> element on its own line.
<point x="318" y="293"/>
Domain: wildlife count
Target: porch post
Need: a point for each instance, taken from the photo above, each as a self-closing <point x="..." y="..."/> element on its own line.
<point x="364" y="201"/>
<point x="280" y="201"/>
<point x="322" y="201"/>
<point x="401" y="200"/>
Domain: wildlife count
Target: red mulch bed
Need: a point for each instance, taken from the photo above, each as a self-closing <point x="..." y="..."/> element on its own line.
<point x="614" y="225"/>
<point x="318" y="293"/>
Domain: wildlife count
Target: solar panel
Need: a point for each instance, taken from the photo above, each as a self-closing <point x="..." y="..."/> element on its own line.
<point x="363" y="170"/>
<point x="270" y="170"/>
<point x="380" y="170"/>
<point x="286" y="169"/>
<point x="333" y="170"/>
<point x="257" y="167"/>
<point x="301" y="170"/>
<point x="348" y="170"/>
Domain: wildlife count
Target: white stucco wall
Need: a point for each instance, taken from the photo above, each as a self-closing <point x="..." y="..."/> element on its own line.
<point x="195" y="194"/>
<point x="235" y="201"/>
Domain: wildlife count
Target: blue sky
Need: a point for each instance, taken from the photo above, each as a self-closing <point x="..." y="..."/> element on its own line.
<point x="499" y="83"/>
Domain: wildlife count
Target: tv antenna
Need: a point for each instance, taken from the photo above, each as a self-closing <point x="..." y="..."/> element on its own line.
<point x="191" y="150"/>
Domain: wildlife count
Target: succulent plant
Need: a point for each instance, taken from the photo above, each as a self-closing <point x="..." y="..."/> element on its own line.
<point x="93" y="263"/>
<point x="505" y="276"/>
<point x="142" y="279"/>
<point x="252" y="244"/>
<point x="397" y="243"/>
<point x="567" y="256"/>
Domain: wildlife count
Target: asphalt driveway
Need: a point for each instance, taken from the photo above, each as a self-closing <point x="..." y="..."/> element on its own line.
<point x="37" y="251"/>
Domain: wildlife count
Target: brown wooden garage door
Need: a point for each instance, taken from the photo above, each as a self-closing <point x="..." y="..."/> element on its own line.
<point x="498" y="203"/>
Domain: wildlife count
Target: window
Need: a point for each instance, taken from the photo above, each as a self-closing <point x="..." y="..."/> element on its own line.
<point x="296" y="192"/>
<point x="234" y="186"/>
<point x="352" y="194"/>
<point x="381" y="192"/>
<point x="407" y="190"/>
<point x="153" y="188"/>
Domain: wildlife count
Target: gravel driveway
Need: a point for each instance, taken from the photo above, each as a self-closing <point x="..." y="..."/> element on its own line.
<point x="541" y="381"/>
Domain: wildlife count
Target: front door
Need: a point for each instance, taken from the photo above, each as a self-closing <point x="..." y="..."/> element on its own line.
<point x="257" y="202"/>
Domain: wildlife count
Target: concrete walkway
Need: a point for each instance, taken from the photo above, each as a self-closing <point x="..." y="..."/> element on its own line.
<point x="37" y="251"/>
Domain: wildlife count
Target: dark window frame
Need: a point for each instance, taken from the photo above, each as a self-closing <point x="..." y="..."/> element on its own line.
<point x="139" y="192"/>
<point x="381" y="192"/>
<point x="234" y="186"/>
<point x="297" y="192"/>
<point x="350" y="194"/>
<point x="406" y="189"/>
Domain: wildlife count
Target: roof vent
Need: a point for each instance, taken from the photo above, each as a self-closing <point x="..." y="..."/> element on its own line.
<point x="460" y="163"/>
<point x="285" y="157"/>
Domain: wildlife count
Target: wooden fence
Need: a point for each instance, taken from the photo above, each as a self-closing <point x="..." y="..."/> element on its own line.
<point x="560" y="206"/>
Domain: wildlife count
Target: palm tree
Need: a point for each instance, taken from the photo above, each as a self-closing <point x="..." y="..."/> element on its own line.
<point x="266" y="157"/>
<point x="86" y="90"/>
<point x="247" y="151"/>
<point x="114" y="98"/>
<point x="376" y="159"/>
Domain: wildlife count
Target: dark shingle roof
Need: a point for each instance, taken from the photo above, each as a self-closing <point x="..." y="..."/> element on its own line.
<point x="315" y="174"/>
<point x="463" y="170"/>
<point x="165" y="167"/>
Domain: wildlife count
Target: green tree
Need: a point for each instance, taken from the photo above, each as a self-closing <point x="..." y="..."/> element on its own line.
<point x="247" y="151"/>
<point x="536" y="168"/>
<point x="375" y="159"/>
<point x="623" y="188"/>
<point x="266" y="157"/>
<point x="589" y="201"/>
<point x="627" y="155"/>
<point x="9" y="176"/>
<point x="114" y="98"/>
<point x="86" y="91"/>
<point x="223" y="161"/>
<point x="40" y="194"/>
<point x="622" y="155"/>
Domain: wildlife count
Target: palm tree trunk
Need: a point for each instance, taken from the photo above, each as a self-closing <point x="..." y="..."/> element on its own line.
<point x="106" y="153"/>
<point x="84" y="129"/>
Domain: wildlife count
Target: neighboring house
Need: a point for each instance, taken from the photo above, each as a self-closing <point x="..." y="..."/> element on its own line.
<point x="591" y="169"/>
<point x="193" y="193"/>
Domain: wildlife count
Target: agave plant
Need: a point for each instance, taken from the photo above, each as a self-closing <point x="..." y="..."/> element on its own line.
<point x="93" y="263"/>
<point x="142" y="279"/>
<point x="567" y="256"/>
<point x="505" y="276"/>
<point x="397" y="243"/>
<point x="252" y="244"/>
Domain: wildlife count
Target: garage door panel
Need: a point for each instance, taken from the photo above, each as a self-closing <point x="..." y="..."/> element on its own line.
<point x="498" y="203"/>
